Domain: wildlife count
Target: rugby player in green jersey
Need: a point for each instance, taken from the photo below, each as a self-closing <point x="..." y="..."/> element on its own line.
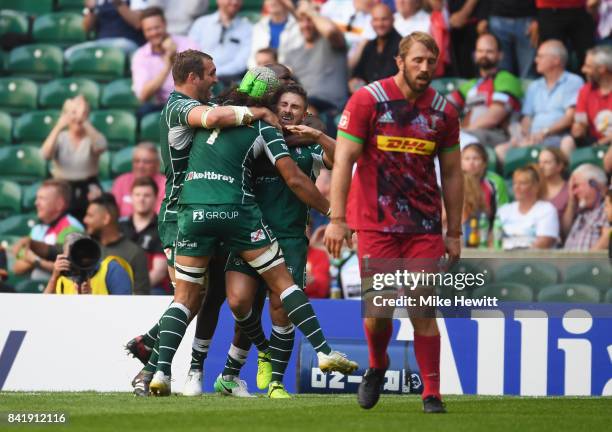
<point x="217" y="204"/>
<point x="186" y="110"/>
<point x="287" y="217"/>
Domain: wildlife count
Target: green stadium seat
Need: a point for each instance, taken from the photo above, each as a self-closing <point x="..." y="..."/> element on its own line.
<point x="61" y="28"/>
<point x="446" y="86"/>
<point x="31" y="286"/>
<point x="70" y="5"/>
<point x="3" y="60"/>
<point x="36" y="61"/>
<point x="10" y="198"/>
<point x="18" y="225"/>
<point x="98" y="63"/>
<point x="34" y="127"/>
<point x="593" y="155"/>
<point x="534" y="274"/>
<point x="53" y="94"/>
<point x="122" y="161"/>
<point x="107" y="185"/>
<point x="149" y="127"/>
<point x="505" y="291"/>
<point x="17" y="95"/>
<point x="608" y="296"/>
<point x="492" y="159"/>
<point x="119" y="127"/>
<point x="510" y="189"/>
<point x="597" y="274"/>
<point x="28" y="196"/>
<point x="104" y="166"/>
<point x="31" y="7"/>
<point x="569" y="293"/>
<point x="22" y="163"/>
<point x="252" y="5"/>
<point x="6" y="127"/>
<point x="519" y="157"/>
<point x="13" y="22"/>
<point x="119" y="95"/>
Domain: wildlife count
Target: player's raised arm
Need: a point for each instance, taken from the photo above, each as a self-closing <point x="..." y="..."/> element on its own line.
<point x="229" y="116"/>
<point x="347" y="152"/>
<point x="314" y="135"/>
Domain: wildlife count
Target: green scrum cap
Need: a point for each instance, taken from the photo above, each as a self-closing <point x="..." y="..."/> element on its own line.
<point x="259" y="82"/>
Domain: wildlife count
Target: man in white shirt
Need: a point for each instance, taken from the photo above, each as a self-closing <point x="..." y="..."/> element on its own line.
<point x="411" y="17"/>
<point x="226" y="37"/>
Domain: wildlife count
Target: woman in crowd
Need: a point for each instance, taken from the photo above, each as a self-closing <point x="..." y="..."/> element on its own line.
<point x="74" y="147"/>
<point x="552" y="163"/>
<point x="474" y="161"/>
<point x="528" y="222"/>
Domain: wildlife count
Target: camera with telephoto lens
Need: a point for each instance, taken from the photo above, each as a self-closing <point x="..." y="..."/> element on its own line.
<point x="84" y="257"/>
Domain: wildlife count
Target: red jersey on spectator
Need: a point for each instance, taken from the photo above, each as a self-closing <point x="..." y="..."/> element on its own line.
<point x="594" y="108"/>
<point x="394" y="187"/>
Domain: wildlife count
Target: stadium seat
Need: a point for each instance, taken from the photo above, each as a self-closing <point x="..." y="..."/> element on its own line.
<point x="54" y="93"/>
<point x="446" y="86"/>
<point x="597" y="274"/>
<point x="13" y="22"/>
<point x="22" y="163"/>
<point x="28" y="196"/>
<point x="569" y="293"/>
<point x="70" y="5"/>
<point x="492" y="159"/>
<point x="18" y="225"/>
<point x="119" y="127"/>
<point x="31" y="7"/>
<point x="518" y="157"/>
<point x="608" y="296"/>
<point x="36" y="61"/>
<point x="510" y="189"/>
<point x="61" y="28"/>
<point x="505" y="291"/>
<point x="534" y="274"/>
<point x="119" y="95"/>
<point x="10" y="198"/>
<point x="3" y="60"/>
<point x="122" y="161"/>
<point x="17" y="95"/>
<point x="107" y="185"/>
<point x="104" y="170"/>
<point x="592" y="154"/>
<point x="34" y="127"/>
<point x="149" y="127"/>
<point x="6" y="127"/>
<point x="31" y="286"/>
<point x="98" y="63"/>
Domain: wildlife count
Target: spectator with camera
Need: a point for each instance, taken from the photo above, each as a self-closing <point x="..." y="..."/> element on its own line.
<point x="141" y="228"/>
<point x="52" y="202"/>
<point x="74" y="146"/>
<point x="102" y="224"/>
<point x="80" y="270"/>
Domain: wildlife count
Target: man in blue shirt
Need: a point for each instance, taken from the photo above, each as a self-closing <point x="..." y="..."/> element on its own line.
<point x="548" y="108"/>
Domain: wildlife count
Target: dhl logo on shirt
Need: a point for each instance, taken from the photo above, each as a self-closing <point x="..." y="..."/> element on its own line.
<point x="405" y="145"/>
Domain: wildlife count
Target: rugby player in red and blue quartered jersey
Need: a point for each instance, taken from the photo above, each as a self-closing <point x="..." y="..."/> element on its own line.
<point x="394" y="129"/>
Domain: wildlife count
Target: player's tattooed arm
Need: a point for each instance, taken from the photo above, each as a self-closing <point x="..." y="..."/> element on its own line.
<point x="301" y="185"/>
<point x="229" y="116"/>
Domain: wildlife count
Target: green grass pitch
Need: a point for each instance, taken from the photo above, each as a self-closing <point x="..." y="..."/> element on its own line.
<point x="119" y="412"/>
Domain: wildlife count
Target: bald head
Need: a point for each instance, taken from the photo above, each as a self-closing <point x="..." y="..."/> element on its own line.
<point x="551" y="57"/>
<point x="382" y="19"/>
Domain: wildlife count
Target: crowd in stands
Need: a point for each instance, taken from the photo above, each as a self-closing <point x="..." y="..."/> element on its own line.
<point x="531" y="79"/>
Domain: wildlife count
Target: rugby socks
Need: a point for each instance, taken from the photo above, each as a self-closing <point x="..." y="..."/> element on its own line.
<point x="281" y="346"/>
<point x="427" y="352"/>
<point x="172" y="328"/>
<point x="251" y="326"/>
<point x="236" y="357"/>
<point x="150" y="337"/>
<point x="300" y="312"/>
<point x="199" y="351"/>
<point x="151" y="365"/>
<point x="378" y="340"/>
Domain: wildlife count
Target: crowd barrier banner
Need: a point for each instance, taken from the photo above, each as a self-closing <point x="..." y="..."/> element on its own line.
<point x="75" y="343"/>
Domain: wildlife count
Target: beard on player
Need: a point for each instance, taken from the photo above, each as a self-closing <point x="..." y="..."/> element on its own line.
<point x="419" y="83"/>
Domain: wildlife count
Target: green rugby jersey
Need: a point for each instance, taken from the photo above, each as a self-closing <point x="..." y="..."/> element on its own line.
<point x="220" y="169"/>
<point x="176" y="137"/>
<point x="283" y="211"/>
